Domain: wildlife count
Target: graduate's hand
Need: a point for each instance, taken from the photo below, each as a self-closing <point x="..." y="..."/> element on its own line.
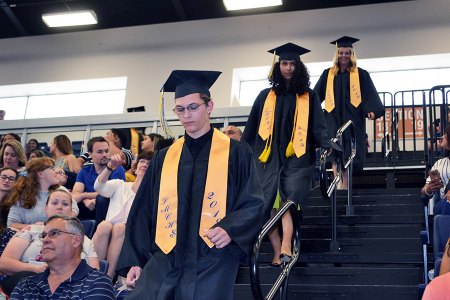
<point x="132" y="276"/>
<point x="218" y="236"/>
<point x="371" y="116"/>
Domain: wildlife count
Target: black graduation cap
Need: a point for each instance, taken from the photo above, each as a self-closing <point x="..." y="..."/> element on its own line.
<point x="289" y="51"/>
<point x="186" y="82"/>
<point x="345" y="41"/>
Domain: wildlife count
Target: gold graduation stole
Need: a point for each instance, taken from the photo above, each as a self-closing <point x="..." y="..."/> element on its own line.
<point x="265" y="129"/>
<point x="297" y="144"/>
<point x="355" y="90"/>
<point x="134" y="141"/>
<point x="215" y="196"/>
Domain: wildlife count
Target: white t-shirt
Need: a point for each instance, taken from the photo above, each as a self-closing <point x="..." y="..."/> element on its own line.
<point x="121" y="198"/>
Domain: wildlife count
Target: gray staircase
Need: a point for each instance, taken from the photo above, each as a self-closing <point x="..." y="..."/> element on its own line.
<point x="380" y="256"/>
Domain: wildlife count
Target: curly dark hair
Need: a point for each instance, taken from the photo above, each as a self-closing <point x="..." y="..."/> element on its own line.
<point x="300" y="81"/>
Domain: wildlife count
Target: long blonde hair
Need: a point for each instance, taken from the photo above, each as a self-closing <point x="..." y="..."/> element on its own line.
<point x="352" y="65"/>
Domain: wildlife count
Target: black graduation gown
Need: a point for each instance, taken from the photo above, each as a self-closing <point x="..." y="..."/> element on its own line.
<point x="192" y="270"/>
<point x="292" y="176"/>
<point x="344" y="110"/>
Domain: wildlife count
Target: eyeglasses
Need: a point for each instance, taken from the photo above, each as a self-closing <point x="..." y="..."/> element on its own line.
<point x="61" y="173"/>
<point x="9" y="178"/>
<point x="53" y="233"/>
<point x="179" y="110"/>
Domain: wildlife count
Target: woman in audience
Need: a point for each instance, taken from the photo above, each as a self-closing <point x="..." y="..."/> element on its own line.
<point x="23" y="253"/>
<point x="11" y="137"/>
<point x="31" y="146"/>
<point x="61" y="150"/>
<point x="7" y="178"/>
<point x="149" y="142"/>
<point x="12" y="155"/>
<point x="110" y="233"/>
<point x="29" y="195"/>
<point x="436" y="183"/>
<point x="36" y="153"/>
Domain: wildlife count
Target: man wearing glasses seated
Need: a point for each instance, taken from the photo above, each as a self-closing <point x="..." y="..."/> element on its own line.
<point x="67" y="276"/>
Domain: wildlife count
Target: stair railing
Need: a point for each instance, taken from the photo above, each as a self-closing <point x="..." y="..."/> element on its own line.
<point x="281" y="284"/>
<point x="347" y="163"/>
<point x="386" y="146"/>
<point x="329" y="191"/>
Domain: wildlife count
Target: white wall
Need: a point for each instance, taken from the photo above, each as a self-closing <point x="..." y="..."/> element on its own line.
<point x="147" y="54"/>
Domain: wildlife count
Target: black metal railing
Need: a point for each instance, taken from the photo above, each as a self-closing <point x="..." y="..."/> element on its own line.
<point x="281" y="284"/>
<point x="347" y="162"/>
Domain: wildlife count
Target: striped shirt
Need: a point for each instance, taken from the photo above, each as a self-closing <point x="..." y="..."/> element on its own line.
<point x="85" y="283"/>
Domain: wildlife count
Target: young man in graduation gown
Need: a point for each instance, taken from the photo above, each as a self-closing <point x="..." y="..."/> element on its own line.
<point x="284" y="128"/>
<point x="349" y="94"/>
<point x="198" y="209"/>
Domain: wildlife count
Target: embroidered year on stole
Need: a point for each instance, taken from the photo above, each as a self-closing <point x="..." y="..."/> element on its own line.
<point x="214" y="199"/>
<point x="355" y="90"/>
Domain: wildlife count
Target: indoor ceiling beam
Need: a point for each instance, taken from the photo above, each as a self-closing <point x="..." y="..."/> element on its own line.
<point x="12" y="17"/>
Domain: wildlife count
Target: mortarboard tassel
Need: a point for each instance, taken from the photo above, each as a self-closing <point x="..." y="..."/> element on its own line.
<point x="273" y="64"/>
<point x="162" y="117"/>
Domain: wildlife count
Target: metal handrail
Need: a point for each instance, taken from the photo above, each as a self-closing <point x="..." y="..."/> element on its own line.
<point x="329" y="191"/>
<point x="254" y="263"/>
<point x="347" y="162"/>
<point x="386" y="145"/>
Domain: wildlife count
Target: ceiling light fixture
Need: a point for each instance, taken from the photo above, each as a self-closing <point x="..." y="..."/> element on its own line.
<point x="70" y="18"/>
<point x="247" y="4"/>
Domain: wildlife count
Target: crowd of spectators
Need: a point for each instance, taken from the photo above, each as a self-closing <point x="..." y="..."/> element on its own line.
<point x="37" y="183"/>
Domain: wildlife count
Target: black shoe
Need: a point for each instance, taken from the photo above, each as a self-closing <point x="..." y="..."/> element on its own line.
<point x="275" y="265"/>
<point x="285" y="258"/>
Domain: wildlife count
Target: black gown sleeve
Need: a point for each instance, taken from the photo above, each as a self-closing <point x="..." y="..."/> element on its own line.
<point x="319" y="130"/>
<point x="321" y="86"/>
<point x="252" y="125"/>
<point x="371" y="100"/>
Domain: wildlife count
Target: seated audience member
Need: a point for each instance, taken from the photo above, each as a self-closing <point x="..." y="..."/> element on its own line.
<point x="29" y="195"/>
<point x="149" y="142"/>
<point x="110" y="233"/>
<point x="11" y="137"/>
<point x="61" y="150"/>
<point x="445" y="264"/>
<point x="23" y="253"/>
<point x="31" y="146"/>
<point x="119" y="143"/>
<point x="435" y="135"/>
<point x="83" y="191"/>
<point x="438" y="288"/>
<point x="233" y="132"/>
<point x="68" y="276"/>
<point x="37" y="153"/>
<point x="439" y="181"/>
<point x="12" y="155"/>
<point x="7" y="178"/>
